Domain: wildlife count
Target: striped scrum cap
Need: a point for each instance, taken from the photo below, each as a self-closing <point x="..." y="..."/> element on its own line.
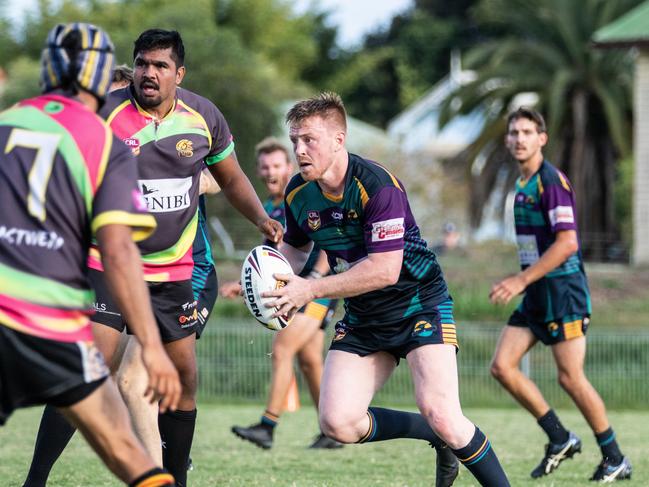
<point x="78" y="55"/>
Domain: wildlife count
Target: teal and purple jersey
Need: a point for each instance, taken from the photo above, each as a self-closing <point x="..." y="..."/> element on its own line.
<point x="170" y="154"/>
<point x="277" y="211"/>
<point x="543" y="206"/>
<point x="63" y="175"/>
<point x="371" y="216"/>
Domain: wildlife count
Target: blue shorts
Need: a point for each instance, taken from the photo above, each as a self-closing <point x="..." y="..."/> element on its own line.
<point x="552" y="332"/>
<point x="433" y="327"/>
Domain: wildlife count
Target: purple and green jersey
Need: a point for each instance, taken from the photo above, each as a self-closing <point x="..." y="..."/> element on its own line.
<point x="371" y="216"/>
<point x="277" y="211"/>
<point x="170" y="154"/>
<point x="543" y="206"/>
<point x="63" y="175"/>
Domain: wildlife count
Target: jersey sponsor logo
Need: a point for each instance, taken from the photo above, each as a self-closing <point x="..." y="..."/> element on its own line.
<point x="528" y="251"/>
<point x="166" y="195"/>
<point x="133" y="144"/>
<point x="337" y="215"/>
<point x="185" y="148"/>
<point x="392" y="229"/>
<point x="31" y="238"/>
<point x="313" y="219"/>
<point x="561" y="214"/>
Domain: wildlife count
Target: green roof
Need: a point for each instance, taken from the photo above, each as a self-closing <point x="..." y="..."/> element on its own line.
<point x="629" y="30"/>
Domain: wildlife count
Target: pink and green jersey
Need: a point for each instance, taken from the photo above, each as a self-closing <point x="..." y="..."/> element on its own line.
<point x="170" y="154"/>
<point x="63" y="175"/>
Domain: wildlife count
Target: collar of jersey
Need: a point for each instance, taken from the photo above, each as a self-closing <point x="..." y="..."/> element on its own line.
<point x="146" y="114"/>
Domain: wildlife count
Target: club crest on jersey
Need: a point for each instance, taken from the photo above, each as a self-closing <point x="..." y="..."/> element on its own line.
<point x="185" y="148"/>
<point x="313" y="219"/>
<point x="352" y="215"/>
<point x="133" y="144"/>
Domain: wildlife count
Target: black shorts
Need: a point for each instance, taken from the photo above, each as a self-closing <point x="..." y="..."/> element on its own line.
<point x="205" y="294"/>
<point x="436" y="326"/>
<point x="173" y="303"/>
<point x="34" y="371"/>
<point x="552" y="332"/>
<point x="320" y="309"/>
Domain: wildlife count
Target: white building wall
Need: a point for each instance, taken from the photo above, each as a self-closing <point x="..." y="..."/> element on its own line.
<point x="640" y="253"/>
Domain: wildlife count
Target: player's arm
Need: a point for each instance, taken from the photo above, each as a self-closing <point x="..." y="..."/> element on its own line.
<point x="321" y="266"/>
<point x="377" y="271"/>
<point x="123" y="274"/>
<point x="564" y="246"/>
<point x="239" y="191"/>
<point x="207" y="183"/>
<point x="296" y="256"/>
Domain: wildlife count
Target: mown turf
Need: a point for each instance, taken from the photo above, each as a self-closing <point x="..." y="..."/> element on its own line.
<point x="221" y="459"/>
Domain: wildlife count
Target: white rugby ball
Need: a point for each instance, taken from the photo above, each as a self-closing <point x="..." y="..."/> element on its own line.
<point x="257" y="277"/>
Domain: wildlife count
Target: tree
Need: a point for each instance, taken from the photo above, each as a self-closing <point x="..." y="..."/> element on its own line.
<point x="584" y="93"/>
<point x="399" y="64"/>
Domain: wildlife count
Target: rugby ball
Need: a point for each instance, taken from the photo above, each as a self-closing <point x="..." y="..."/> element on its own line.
<point x="257" y="277"/>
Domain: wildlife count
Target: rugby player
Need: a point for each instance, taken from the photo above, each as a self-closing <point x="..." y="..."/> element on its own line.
<point x="556" y="307"/>
<point x="173" y="134"/>
<point x="396" y="301"/>
<point x="65" y="178"/>
<point x="305" y="337"/>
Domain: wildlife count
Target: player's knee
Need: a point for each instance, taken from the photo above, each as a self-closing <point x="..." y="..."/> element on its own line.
<point x="337" y="427"/>
<point x="570" y="379"/>
<point x="188" y="381"/>
<point x="282" y="352"/>
<point x="499" y="371"/>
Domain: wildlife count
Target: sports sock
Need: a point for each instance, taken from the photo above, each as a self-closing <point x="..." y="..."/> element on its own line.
<point x="388" y="424"/>
<point x="608" y="444"/>
<point x="550" y="423"/>
<point x="482" y="462"/>
<point x="269" y="420"/>
<point x="177" y="433"/>
<point x="156" y="477"/>
<point x="54" y="434"/>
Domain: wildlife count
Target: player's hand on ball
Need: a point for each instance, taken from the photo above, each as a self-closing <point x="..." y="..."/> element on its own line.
<point x="231" y="290"/>
<point x="164" y="383"/>
<point x="271" y="229"/>
<point x="290" y="297"/>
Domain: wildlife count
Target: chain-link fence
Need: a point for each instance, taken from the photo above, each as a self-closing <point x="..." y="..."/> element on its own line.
<point x="234" y="365"/>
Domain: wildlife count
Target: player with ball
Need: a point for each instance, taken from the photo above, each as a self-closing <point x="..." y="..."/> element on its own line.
<point x="396" y="301"/>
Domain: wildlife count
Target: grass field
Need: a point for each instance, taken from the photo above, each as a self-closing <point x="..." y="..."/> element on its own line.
<point x="223" y="460"/>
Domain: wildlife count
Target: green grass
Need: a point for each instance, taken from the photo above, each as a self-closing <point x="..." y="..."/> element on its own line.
<point x="221" y="459"/>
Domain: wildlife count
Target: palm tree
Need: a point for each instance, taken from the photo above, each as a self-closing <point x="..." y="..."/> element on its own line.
<point x="544" y="47"/>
